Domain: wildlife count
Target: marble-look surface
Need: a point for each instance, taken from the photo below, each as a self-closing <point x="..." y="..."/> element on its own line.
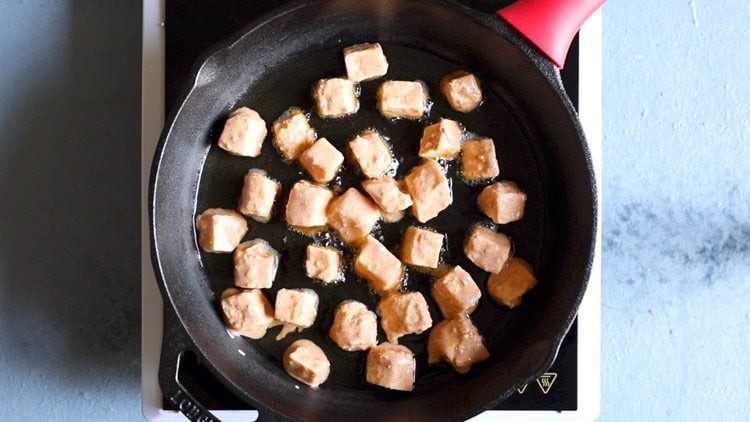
<point x="676" y="289"/>
<point x="676" y="251"/>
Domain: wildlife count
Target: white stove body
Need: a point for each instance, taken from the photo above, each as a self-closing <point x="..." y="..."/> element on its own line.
<point x="589" y="316"/>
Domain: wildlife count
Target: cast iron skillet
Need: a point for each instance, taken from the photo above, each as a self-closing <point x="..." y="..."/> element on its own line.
<point x="270" y="67"/>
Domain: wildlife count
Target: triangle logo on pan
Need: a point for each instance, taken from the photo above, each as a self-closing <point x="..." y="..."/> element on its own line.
<point x="546" y="380"/>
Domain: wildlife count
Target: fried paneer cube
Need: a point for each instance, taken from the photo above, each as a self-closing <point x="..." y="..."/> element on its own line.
<point x="421" y="247"/>
<point x="509" y="285"/>
<point x="306" y="362"/>
<point x="220" y="229"/>
<point x="429" y="189"/>
<point x="335" y="97"/>
<point x="365" y="61"/>
<point x="354" y="326"/>
<point x="259" y="193"/>
<point x="458" y="342"/>
<point x="246" y="312"/>
<point x="402" y="99"/>
<point x="456" y="293"/>
<point x="371" y="153"/>
<point x="462" y="90"/>
<point x="503" y="202"/>
<point x="441" y="140"/>
<point x="296" y="309"/>
<point x="479" y="160"/>
<point x="322" y="160"/>
<point x="487" y="249"/>
<point x="391" y="366"/>
<point x="323" y="263"/>
<point x="353" y="216"/>
<point x="404" y="313"/>
<point x="387" y="194"/>
<point x="292" y="134"/>
<point x="376" y="264"/>
<point x="307" y="205"/>
<point x="244" y="132"/>
<point x="255" y="264"/>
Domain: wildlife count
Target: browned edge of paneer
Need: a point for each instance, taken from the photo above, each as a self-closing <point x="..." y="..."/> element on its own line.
<point x="488" y="249"/>
<point x="305" y="361"/>
<point x="510" y="285"/>
<point x="479" y="159"/>
<point x="402" y="99"/>
<point x="378" y="266"/>
<point x="255" y="264"/>
<point x="292" y="133"/>
<point x="324" y="263"/>
<point x="353" y="216"/>
<point x="307" y="205"/>
<point x="456" y="293"/>
<point x="421" y="247"/>
<point x="243" y="134"/>
<point x="365" y="61"/>
<point x="322" y="161"/>
<point x="220" y="230"/>
<point x="503" y="202"/>
<point x="430" y="190"/>
<point x="246" y="312"/>
<point x="259" y="193"/>
<point x="462" y="90"/>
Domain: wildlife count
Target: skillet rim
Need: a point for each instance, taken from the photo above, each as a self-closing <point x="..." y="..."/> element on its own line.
<point x="547" y="69"/>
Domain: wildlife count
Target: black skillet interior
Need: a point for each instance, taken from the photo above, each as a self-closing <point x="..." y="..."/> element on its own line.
<point x="539" y="145"/>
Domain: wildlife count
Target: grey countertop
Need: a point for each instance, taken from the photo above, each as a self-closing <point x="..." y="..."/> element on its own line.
<point x="676" y="253"/>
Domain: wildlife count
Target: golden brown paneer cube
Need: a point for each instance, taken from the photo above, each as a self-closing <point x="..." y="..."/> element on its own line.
<point x="323" y="263"/>
<point x="391" y="366"/>
<point x="371" y="153"/>
<point x="462" y="90"/>
<point x="402" y="99"/>
<point x="456" y="293"/>
<point x="354" y="326"/>
<point x="296" y="309"/>
<point x="246" y="312"/>
<point x="479" y="160"/>
<point x="306" y="362"/>
<point x="307" y="205"/>
<point x="509" y="285"/>
<point x="429" y="189"/>
<point x="244" y="132"/>
<point x="376" y="264"/>
<point x="421" y="247"/>
<point x="258" y="195"/>
<point x="292" y="134"/>
<point x="487" y="249"/>
<point x="404" y="313"/>
<point x="387" y="194"/>
<point x="458" y="342"/>
<point x="322" y="160"/>
<point x="220" y="229"/>
<point x="441" y="140"/>
<point x="353" y="216"/>
<point x="255" y="264"/>
<point x="503" y="202"/>
<point x="365" y="61"/>
<point x="335" y="97"/>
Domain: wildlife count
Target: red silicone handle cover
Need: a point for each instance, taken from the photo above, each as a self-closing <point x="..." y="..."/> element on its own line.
<point x="550" y="24"/>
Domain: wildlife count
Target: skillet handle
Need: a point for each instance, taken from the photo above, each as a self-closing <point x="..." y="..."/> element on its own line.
<point x="173" y="390"/>
<point x="550" y="25"/>
<point x="169" y="367"/>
